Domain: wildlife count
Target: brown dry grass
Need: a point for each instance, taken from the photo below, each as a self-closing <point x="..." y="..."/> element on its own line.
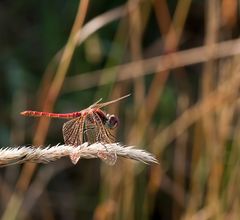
<point x="198" y="149"/>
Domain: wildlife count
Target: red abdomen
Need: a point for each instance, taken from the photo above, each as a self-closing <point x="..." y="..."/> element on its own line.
<point x="51" y="115"/>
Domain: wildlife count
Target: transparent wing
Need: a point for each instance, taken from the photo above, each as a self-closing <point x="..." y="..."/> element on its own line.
<point x="95" y="104"/>
<point x="90" y="130"/>
<point x="100" y="105"/>
<point x="96" y="131"/>
<point x="73" y="135"/>
<point x="73" y="131"/>
<point x="102" y="136"/>
<point x="109" y="157"/>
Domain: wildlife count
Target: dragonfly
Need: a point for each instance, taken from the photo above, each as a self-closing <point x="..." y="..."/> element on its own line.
<point x="88" y="125"/>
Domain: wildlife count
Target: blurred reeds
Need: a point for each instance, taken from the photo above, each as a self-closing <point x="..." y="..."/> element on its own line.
<point x="180" y="61"/>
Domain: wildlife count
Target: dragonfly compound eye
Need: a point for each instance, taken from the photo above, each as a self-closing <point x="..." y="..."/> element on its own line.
<point x="112" y="121"/>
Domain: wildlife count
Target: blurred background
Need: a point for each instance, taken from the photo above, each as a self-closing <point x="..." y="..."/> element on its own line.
<point x="180" y="62"/>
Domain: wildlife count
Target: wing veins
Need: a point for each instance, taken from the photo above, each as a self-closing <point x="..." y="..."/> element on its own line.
<point x="75" y="126"/>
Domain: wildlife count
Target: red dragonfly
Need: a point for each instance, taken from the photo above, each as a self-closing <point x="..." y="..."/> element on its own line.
<point x="88" y="125"/>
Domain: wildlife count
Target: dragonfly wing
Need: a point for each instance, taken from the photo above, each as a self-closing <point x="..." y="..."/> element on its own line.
<point x="73" y="135"/>
<point x="100" y="105"/>
<point x="90" y="130"/>
<point x="95" y="103"/>
<point x="104" y="135"/>
<point x="108" y="156"/>
<point x="92" y="134"/>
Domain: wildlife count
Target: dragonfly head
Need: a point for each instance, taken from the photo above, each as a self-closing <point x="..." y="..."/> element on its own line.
<point x="112" y="121"/>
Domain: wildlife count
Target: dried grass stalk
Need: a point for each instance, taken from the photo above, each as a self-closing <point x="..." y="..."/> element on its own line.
<point x="10" y="156"/>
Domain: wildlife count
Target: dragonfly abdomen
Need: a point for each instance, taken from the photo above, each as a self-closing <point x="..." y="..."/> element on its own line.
<point x="51" y="115"/>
